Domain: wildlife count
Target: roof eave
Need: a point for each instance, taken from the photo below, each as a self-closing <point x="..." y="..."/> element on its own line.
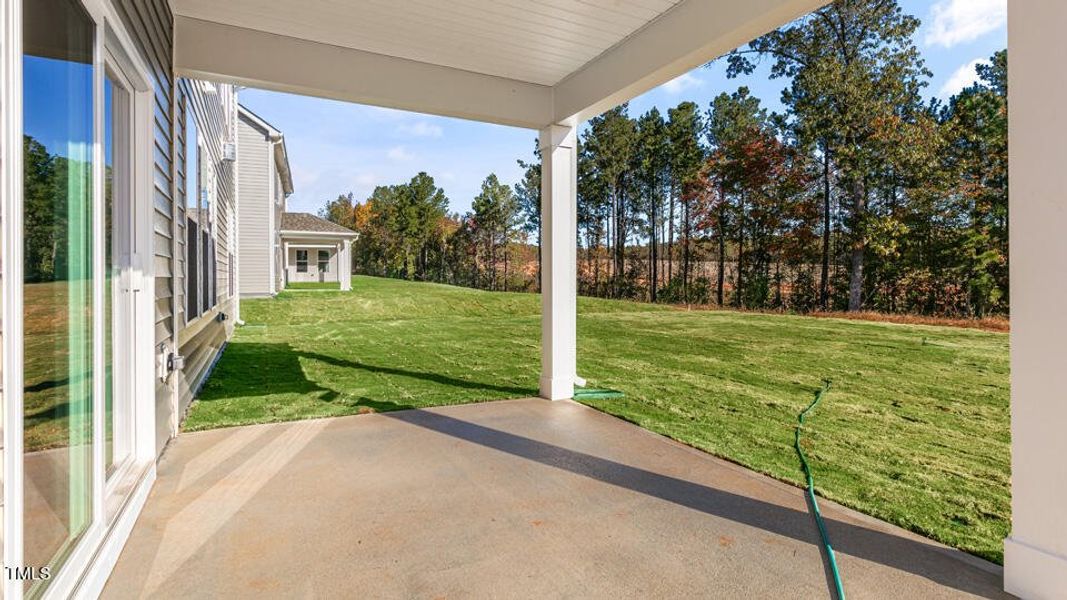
<point x="321" y="234"/>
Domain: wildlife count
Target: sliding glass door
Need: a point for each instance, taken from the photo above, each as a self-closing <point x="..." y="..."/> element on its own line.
<point x="58" y="144"/>
<point x="119" y="287"/>
<point x="78" y="289"/>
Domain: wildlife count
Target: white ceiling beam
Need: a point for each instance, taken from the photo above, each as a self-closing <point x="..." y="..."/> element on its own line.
<point x="685" y="37"/>
<point x="229" y="54"/>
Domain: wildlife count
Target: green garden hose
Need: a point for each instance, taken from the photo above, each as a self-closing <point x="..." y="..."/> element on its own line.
<point x="811" y="490"/>
<point x="595" y="394"/>
<point x="600" y="394"/>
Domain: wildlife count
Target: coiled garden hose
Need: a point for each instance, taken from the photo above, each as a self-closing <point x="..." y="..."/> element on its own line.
<point x="811" y="490"/>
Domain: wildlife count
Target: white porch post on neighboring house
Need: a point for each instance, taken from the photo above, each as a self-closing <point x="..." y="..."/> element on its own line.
<point x="1035" y="554"/>
<point x="344" y="265"/>
<point x="559" y="238"/>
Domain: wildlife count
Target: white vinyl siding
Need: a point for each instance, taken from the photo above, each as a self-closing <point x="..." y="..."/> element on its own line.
<point x="255" y="239"/>
<point x="201" y="338"/>
<point x="151" y="25"/>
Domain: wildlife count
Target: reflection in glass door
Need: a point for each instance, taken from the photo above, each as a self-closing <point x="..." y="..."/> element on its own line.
<point x="118" y="284"/>
<point x="58" y="76"/>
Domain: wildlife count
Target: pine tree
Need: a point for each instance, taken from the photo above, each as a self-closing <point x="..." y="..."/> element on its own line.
<point x="851" y="64"/>
<point x="652" y="172"/>
<point x="528" y="197"/>
<point x="685" y="127"/>
<point x="495" y="217"/>
<point x="608" y="145"/>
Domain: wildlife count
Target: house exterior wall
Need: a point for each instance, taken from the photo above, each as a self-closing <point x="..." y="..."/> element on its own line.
<point x="150" y="24"/>
<point x="312" y="274"/>
<point x="256" y="222"/>
<point x="201" y="338"/>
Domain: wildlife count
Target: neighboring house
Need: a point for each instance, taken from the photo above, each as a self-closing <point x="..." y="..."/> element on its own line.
<point x="279" y="247"/>
<point x="264" y="182"/>
<point x="316" y="250"/>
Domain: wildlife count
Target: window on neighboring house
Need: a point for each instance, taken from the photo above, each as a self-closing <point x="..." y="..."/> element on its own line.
<point x="301" y="261"/>
<point x="192" y="216"/>
<point x="324" y="261"/>
<point x="201" y="265"/>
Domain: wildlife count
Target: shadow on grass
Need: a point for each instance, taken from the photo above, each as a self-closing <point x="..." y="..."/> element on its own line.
<point x="250" y="369"/>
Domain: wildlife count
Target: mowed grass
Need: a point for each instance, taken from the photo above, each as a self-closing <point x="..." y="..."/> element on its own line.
<point x="313" y="285"/>
<point x="915" y="430"/>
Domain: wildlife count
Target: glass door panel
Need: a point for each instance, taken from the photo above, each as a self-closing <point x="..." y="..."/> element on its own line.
<point x="118" y="294"/>
<point x="58" y="278"/>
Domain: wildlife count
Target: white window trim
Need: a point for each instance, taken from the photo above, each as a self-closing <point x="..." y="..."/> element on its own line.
<point x="11" y="192"/>
<point x="306" y="260"/>
<point x="319" y="260"/>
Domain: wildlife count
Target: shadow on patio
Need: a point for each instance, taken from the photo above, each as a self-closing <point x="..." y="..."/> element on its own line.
<point x="523" y="498"/>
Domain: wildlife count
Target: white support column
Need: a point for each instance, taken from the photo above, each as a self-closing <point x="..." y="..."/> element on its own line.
<point x="559" y="239"/>
<point x="344" y="266"/>
<point x="1035" y="555"/>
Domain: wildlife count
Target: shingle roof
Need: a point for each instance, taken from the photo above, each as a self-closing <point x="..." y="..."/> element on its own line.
<point x="294" y="221"/>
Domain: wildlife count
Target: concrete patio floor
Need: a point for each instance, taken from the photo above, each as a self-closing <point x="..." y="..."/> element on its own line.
<point x="512" y="499"/>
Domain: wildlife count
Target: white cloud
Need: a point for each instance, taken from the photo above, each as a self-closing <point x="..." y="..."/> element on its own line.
<point x="962" y="77"/>
<point x="420" y="129"/>
<point x="957" y="21"/>
<point x="399" y="153"/>
<point x="682" y="83"/>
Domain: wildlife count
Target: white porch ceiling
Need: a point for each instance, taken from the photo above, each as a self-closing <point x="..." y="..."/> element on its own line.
<point x="535" y="42"/>
<point x="523" y="63"/>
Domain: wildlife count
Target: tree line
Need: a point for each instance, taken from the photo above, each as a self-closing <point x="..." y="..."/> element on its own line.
<point x="860" y="195"/>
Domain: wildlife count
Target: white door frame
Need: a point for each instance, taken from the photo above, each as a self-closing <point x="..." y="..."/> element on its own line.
<point x="137" y="272"/>
<point x="12" y="274"/>
<point x="101" y="543"/>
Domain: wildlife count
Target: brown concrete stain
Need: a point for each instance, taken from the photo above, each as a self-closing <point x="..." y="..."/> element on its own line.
<point x="537" y="522"/>
<point x="264" y="584"/>
<point x="775" y="541"/>
<point x="726" y="541"/>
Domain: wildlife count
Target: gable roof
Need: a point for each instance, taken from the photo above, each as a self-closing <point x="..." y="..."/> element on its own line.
<point x="293" y="222"/>
<point x="281" y="154"/>
<point x="258" y="121"/>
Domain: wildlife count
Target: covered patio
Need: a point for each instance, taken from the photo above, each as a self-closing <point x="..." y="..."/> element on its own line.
<point x="536" y="497"/>
<point x="520" y="498"/>
<point x="549" y="67"/>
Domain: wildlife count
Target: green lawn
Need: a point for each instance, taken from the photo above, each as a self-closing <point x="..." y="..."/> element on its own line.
<point x="915" y="430"/>
<point x="313" y="285"/>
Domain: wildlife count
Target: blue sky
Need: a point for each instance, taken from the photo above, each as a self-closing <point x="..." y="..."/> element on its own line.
<point x="336" y="147"/>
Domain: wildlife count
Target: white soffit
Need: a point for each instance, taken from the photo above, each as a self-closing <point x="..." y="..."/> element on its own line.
<point x="536" y="42"/>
